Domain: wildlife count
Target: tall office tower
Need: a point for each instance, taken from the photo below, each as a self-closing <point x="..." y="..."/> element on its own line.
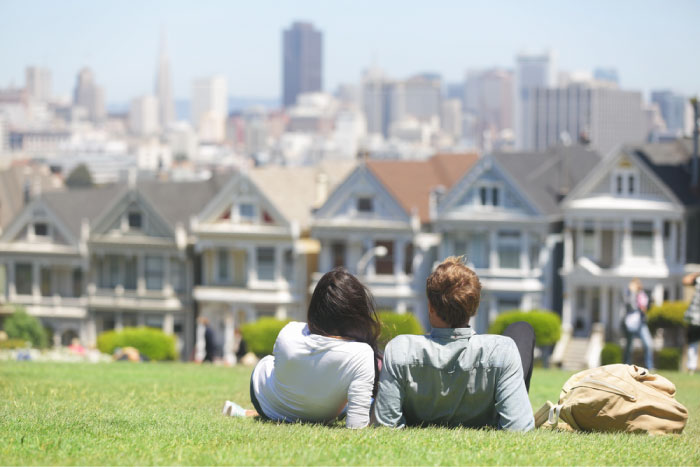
<point x="210" y="107"/>
<point x="673" y="110"/>
<point x="89" y="95"/>
<point x="164" y="89"/>
<point x="451" y="118"/>
<point x="38" y="82"/>
<point x="144" y="115"/>
<point x="531" y="71"/>
<point x="599" y="115"/>
<point x="383" y="101"/>
<point x="302" y="61"/>
<point x="423" y="96"/>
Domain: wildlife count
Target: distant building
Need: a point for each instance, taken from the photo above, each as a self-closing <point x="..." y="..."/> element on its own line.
<point x="603" y="117"/>
<point x="38" y="83"/>
<point x="451" y="118"/>
<point x="423" y="96"/>
<point x="531" y="71"/>
<point x="673" y="110"/>
<point x="210" y="107"/>
<point x="302" y="61"/>
<point x="488" y="96"/>
<point x="606" y="74"/>
<point x="143" y="115"/>
<point x="89" y="95"/>
<point x="164" y="90"/>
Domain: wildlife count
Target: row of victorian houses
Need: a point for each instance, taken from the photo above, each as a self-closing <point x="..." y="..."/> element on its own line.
<point x="564" y="230"/>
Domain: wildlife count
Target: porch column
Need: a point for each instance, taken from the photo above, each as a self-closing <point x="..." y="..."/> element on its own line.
<point x="168" y="323"/>
<point x="579" y="238"/>
<point x="568" y="305"/>
<point x="568" y="249"/>
<point x="605" y="306"/>
<point x="524" y="256"/>
<point x="658" y="241"/>
<point x="91" y="331"/>
<point x="597" y="240"/>
<point x="167" y="282"/>
<point x="673" y="244"/>
<point x="141" y="273"/>
<point x="118" y="321"/>
<point x="325" y="257"/>
<point x="281" y="312"/>
<point x="278" y="262"/>
<point x="229" y="356"/>
<point x="36" y="290"/>
<point x="399" y="256"/>
<point x="657" y="294"/>
<point x="252" y="264"/>
<point x="626" y="240"/>
<point x="493" y="249"/>
<point x="369" y="270"/>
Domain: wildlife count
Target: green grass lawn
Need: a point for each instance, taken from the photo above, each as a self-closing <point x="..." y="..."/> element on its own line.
<point x="126" y="414"/>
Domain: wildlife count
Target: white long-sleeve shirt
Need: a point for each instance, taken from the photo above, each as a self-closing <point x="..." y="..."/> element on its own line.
<point x="311" y="377"/>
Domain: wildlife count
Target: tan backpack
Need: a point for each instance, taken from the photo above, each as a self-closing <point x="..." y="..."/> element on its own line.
<point x="615" y="398"/>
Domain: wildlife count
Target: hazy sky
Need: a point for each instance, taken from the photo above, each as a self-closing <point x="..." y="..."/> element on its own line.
<point x="653" y="44"/>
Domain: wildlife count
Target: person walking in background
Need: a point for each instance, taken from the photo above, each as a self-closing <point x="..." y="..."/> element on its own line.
<point x="692" y="318"/>
<point x="209" y="343"/>
<point x="635" y="322"/>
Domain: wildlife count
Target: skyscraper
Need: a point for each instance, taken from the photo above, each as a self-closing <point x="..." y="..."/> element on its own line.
<point x="302" y="62"/>
<point x="164" y="90"/>
<point x="89" y="95"/>
<point x="210" y="107"/>
<point x="673" y="109"/>
<point x="143" y="115"/>
<point x="531" y="71"/>
<point x="38" y="82"/>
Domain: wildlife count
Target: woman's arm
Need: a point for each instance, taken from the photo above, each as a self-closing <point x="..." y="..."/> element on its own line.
<point x="360" y="391"/>
<point x="689" y="279"/>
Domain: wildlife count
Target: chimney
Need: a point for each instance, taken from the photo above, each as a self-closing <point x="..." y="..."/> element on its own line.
<point x="321" y="188"/>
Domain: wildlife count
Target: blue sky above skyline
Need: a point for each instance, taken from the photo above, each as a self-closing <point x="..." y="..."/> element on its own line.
<point x="652" y="44"/>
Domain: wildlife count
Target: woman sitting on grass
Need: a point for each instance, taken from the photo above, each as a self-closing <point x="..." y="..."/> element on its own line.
<point x="319" y="368"/>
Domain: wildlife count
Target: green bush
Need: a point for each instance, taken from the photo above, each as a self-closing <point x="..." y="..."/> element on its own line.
<point x="260" y="336"/>
<point x="611" y="353"/>
<point x="22" y="326"/>
<point x="394" y="324"/>
<point x="547" y="324"/>
<point x="13" y="344"/>
<point x="668" y="359"/>
<point x="667" y="315"/>
<point x="151" y="342"/>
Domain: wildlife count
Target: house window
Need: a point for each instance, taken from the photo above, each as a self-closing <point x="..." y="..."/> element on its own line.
<point x="534" y="250"/>
<point x="178" y="274"/>
<point x="289" y="265"/>
<point x="508" y="304"/>
<point x="154" y="321"/>
<point x="365" y="204"/>
<point x="337" y="255"/>
<point x="509" y="249"/>
<point x="631" y="184"/>
<point x="77" y="282"/>
<point x="246" y="213"/>
<point x="223" y="269"/>
<point x="408" y="259"/>
<point x="113" y="265"/>
<point x="135" y="220"/>
<point x="483" y="195"/>
<point x="618" y="185"/>
<point x="130" y="273"/>
<point x="489" y="195"/>
<point x="41" y="229"/>
<point x="23" y="278"/>
<point x="478" y="250"/>
<point x="626" y="182"/>
<point x="589" y="242"/>
<point x="45" y="281"/>
<point x="385" y="264"/>
<point x="494" y="196"/>
<point x="642" y="239"/>
<point x="154" y="272"/>
<point x="266" y="263"/>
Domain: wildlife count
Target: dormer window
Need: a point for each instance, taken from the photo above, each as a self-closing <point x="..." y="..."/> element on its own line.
<point x="41" y="229"/>
<point x="246" y="213"/>
<point x="365" y="204"/>
<point x="135" y="220"/>
<point x="489" y="195"/>
<point x="625" y="182"/>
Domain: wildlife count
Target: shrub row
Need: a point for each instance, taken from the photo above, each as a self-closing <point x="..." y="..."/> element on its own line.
<point x="151" y="342"/>
<point x="547" y="324"/>
<point x="666" y="359"/>
<point x="27" y="328"/>
<point x="667" y="315"/>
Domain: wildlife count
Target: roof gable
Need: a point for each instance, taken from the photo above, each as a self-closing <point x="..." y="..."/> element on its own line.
<point x="362" y="184"/>
<point x="38" y="212"/>
<point x="134" y="215"/>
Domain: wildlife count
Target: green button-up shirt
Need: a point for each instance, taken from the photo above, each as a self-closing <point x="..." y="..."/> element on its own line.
<point x="453" y="377"/>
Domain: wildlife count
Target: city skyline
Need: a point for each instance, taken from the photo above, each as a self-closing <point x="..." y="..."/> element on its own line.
<point x="243" y="43"/>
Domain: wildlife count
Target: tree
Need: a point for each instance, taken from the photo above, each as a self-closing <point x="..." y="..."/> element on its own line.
<point x="20" y="325"/>
<point x="80" y="177"/>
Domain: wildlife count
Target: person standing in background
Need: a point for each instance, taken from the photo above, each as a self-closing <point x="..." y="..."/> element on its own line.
<point x="692" y="318"/>
<point x="635" y="322"/>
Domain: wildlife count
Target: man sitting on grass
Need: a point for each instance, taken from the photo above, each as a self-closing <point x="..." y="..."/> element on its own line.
<point x="453" y="376"/>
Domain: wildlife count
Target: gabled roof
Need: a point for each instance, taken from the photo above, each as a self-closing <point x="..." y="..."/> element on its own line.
<point x="12" y="184"/>
<point x="671" y="163"/>
<point x="411" y="182"/>
<point x="545" y="177"/>
<point x="72" y="206"/>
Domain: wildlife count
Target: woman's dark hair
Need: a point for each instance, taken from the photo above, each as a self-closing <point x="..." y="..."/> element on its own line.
<point x="341" y="306"/>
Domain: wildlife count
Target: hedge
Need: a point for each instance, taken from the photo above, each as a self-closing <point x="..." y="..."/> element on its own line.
<point x="547" y="324"/>
<point x="13" y="344"/>
<point x="151" y="342"/>
<point x="611" y="353"/>
<point x="260" y="336"/>
<point x="394" y="324"/>
<point x="20" y="325"/>
<point x="668" y="359"/>
<point x="667" y="315"/>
